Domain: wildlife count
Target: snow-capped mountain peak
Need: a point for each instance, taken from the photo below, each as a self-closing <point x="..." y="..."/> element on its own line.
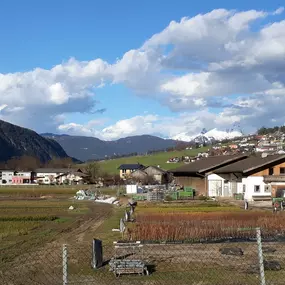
<point x="211" y="135"/>
<point x="222" y="135"/>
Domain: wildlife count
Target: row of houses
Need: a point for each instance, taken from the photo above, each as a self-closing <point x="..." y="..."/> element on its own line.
<point x="188" y="159"/>
<point x="255" y="176"/>
<point x="42" y="176"/>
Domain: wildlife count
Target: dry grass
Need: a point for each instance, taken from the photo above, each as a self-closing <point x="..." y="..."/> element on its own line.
<point x="30" y="220"/>
<point x="197" y="226"/>
<point x="36" y="191"/>
<point x="16" y="228"/>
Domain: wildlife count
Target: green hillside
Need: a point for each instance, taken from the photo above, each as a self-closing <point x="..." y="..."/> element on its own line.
<point x="111" y="166"/>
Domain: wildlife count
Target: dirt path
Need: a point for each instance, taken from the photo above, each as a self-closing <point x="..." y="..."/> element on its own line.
<point x="44" y="265"/>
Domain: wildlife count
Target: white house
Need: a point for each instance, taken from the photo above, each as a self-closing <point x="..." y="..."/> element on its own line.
<point x="251" y="187"/>
<point x="48" y="175"/>
<point x="6" y="177"/>
<point x="56" y="175"/>
<point x="257" y="177"/>
<point x="71" y="177"/>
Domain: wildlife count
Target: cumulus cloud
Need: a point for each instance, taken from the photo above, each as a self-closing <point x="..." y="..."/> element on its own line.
<point x="65" y="88"/>
<point x="87" y="129"/>
<point x="213" y="60"/>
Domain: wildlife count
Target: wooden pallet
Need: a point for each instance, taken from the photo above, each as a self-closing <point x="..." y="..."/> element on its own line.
<point x="126" y="266"/>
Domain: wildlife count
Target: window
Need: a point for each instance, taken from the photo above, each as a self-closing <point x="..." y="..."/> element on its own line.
<point x="243" y="188"/>
<point x="256" y="188"/>
<point x="271" y="171"/>
<point x="267" y="188"/>
<point x="124" y="171"/>
<point x="282" y="170"/>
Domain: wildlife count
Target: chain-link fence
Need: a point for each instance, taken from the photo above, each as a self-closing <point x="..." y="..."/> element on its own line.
<point x="250" y="261"/>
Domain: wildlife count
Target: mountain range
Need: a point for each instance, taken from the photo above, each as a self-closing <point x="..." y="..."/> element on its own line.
<point x="91" y="148"/>
<point x="16" y="141"/>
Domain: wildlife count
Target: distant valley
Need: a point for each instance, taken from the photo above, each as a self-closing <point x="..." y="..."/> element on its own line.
<point x="91" y="148"/>
<point x="16" y="141"/>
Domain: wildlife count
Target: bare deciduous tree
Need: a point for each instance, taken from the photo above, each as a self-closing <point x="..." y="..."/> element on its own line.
<point x="93" y="171"/>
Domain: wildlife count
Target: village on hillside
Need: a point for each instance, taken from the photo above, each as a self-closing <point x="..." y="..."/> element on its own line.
<point x="268" y="143"/>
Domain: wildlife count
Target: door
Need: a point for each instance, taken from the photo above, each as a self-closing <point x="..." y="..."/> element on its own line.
<point x="226" y="189"/>
<point x="215" y="188"/>
<point x="233" y="188"/>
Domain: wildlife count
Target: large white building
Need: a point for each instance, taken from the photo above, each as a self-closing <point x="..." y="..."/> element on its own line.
<point x="256" y="177"/>
<point x="252" y="187"/>
<point x="6" y="177"/>
<point x="55" y="175"/>
<point x="48" y="175"/>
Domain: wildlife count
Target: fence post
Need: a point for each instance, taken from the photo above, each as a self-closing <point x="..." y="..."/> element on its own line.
<point x="260" y="257"/>
<point x="64" y="264"/>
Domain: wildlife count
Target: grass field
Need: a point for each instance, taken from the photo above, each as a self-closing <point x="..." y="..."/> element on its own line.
<point x="32" y="217"/>
<point x="27" y="220"/>
<point x="20" y="192"/>
<point x="111" y="166"/>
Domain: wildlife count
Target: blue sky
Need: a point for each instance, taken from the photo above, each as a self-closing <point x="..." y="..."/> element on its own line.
<point x="44" y="34"/>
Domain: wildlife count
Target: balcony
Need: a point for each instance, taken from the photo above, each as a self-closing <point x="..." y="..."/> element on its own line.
<point x="274" y="178"/>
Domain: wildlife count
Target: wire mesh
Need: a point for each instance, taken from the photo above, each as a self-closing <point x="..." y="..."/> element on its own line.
<point x="212" y="262"/>
<point x="40" y="266"/>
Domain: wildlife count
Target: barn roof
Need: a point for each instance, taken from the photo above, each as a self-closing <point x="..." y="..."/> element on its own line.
<point x="252" y="163"/>
<point x="208" y="164"/>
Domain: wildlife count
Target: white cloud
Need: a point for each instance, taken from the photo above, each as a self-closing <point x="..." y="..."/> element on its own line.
<point x="169" y="127"/>
<point x="138" y="69"/>
<point x="187" y="85"/>
<point x="212" y="60"/>
<point x="58" y="95"/>
<point x="128" y="127"/>
<point x="81" y="129"/>
<point x="279" y="11"/>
